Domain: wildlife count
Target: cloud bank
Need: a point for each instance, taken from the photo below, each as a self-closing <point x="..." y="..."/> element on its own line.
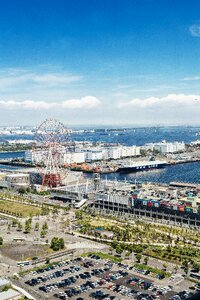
<point x="192" y="78"/>
<point x="14" y="78"/>
<point x="87" y="102"/>
<point x="195" y="30"/>
<point x="169" y="101"/>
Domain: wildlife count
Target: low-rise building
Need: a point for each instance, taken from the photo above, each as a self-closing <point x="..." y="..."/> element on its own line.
<point x="93" y="155"/>
<point x="10" y="294"/>
<point x="4" y="282"/>
<point x="74" y="157"/>
<point x="17" y="180"/>
<point x="165" y="147"/>
<point x="114" y="153"/>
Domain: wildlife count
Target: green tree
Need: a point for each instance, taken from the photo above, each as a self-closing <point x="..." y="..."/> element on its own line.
<point x="119" y="249"/>
<point x="79" y="214"/>
<point x="45" y="226"/>
<point x="47" y="260"/>
<point x="14" y="223"/>
<point x="196" y="266"/>
<point x="37" y="225"/>
<point x="138" y="257"/>
<point x="27" y="228"/>
<point x="55" y="211"/>
<point x="146" y="259"/>
<point x="43" y="233"/>
<point x="114" y="244"/>
<point x="44" y="210"/>
<point x="62" y="243"/>
<point x="21" y="191"/>
<point x="19" y="228"/>
<point x="57" y="243"/>
<point x="165" y="266"/>
<point x="1" y="241"/>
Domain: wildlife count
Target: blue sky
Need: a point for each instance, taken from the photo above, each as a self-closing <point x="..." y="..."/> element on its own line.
<point x="100" y="61"/>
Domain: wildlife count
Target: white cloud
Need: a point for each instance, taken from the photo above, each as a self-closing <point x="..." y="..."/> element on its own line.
<point x="87" y="102"/>
<point x="192" y="78"/>
<point x="54" y="78"/>
<point x="195" y="30"/>
<point x="171" y="100"/>
<point x="120" y="94"/>
<point x="17" y="78"/>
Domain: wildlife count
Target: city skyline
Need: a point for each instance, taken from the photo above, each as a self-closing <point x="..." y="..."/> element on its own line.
<point x="100" y="62"/>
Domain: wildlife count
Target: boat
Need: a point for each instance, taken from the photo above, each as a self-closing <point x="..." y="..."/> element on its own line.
<point x="142" y="166"/>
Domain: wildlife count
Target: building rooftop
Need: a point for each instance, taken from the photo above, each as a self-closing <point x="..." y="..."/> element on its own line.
<point x="10" y="295"/>
<point x="3" y="282"/>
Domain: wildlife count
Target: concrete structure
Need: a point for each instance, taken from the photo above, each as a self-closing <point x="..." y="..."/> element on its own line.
<point x="114" y="153"/>
<point x="74" y="157"/>
<point x="10" y="295"/>
<point x="93" y="155"/>
<point x="4" y="282"/>
<point x="17" y="180"/>
<point x="130" y="151"/>
<point x="73" y="194"/>
<point x="3" y="182"/>
<point x="72" y="177"/>
<point x="86" y="153"/>
<point x="34" y="156"/>
<point x="165" y="147"/>
<point x="14" y="180"/>
<point x="127" y="203"/>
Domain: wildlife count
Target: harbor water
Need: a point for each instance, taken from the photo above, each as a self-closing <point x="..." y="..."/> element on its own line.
<point x="189" y="172"/>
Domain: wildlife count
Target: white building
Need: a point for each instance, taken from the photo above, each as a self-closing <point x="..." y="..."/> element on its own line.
<point x="179" y="146"/>
<point x="10" y="294"/>
<point x="34" y="156"/>
<point x="17" y="180"/>
<point x="130" y="151"/>
<point x="29" y="156"/>
<point x="149" y="146"/>
<point x="136" y="150"/>
<point x="74" y="157"/>
<point x="93" y="155"/>
<point x="88" y="153"/>
<point x="38" y="156"/>
<point x="164" y="147"/>
<point x="114" y="152"/>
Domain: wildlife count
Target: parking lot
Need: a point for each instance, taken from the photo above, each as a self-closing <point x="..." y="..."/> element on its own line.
<point x="94" y="278"/>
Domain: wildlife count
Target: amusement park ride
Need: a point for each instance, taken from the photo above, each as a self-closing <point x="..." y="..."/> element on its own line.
<point x="51" y="138"/>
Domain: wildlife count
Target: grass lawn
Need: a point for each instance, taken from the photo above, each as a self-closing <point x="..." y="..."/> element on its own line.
<point x="104" y="256"/>
<point x="105" y="223"/>
<point x="13" y="208"/>
<point x="152" y="269"/>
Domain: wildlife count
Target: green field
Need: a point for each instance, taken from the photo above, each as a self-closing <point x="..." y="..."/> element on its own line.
<point x="103" y="256"/>
<point x="18" y="209"/>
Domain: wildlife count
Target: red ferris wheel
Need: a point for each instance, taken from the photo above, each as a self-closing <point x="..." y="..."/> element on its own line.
<point x="51" y="138"/>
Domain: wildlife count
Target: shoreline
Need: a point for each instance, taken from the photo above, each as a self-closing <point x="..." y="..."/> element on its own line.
<point x="23" y="164"/>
